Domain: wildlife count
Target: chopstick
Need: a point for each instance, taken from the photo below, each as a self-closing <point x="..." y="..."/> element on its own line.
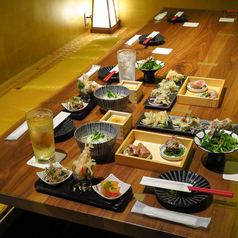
<point x="212" y="191"/>
<point x="146" y="41"/>
<point x="109" y="76"/>
<point x="174" y="18"/>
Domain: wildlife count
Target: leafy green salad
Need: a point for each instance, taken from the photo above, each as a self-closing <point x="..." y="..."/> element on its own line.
<point x="220" y="143"/>
<point x="149" y="63"/>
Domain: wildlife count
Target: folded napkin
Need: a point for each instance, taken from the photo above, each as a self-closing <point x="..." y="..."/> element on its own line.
<point x="226" y="19"/>
<point x="182" y="218"/>
<point x="18" y="132"/>
<point x="93" y="70"/>
<point x="162" y="51"/>
<point x="191" y="24"/>
<point x="160" y="16"/>
<point x="15" y="135"/>
<point x="133" y="40"/>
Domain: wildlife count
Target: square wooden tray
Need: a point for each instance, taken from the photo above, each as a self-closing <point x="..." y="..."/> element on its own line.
<point x="186" y="97"/>
<point x="152" y="141"/>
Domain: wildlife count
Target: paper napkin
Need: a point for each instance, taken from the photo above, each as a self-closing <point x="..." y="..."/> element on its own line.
<point x="191" y="24"/>
<point x="226" y="19"/>
<point x="182" y="218"/>
<point x="160" y="16"/>
<point x="18" y="132"/>
<point x="162" y="51"/>
<point x="92" y="71"/>
<point x="23" y="127"/>
<point x="133" y="40"/>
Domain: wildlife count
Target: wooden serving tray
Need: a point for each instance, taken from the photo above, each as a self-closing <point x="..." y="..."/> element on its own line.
<point x="152" y="141"/>
<point x="186" y="97"/>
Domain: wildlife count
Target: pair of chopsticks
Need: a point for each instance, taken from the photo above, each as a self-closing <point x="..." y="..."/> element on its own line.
<point x="212" y="191"/>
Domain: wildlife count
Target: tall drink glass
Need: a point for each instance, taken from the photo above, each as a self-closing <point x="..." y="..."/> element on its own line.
<point x="40" y="127"/>
<point x="126" y="60"/>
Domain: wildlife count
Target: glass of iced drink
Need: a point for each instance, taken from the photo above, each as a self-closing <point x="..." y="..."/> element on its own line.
<point x="126" y="60"/>
<point x="40" y="127"/>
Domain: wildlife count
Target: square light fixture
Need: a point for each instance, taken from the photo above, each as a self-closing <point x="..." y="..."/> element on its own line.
<point x="104" y="17"/>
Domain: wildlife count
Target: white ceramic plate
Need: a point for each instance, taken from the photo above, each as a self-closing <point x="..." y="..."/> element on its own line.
<point x="172" y="158"/>
<point x="74" y="110"/>
<point x="41" y="175"/>
<point x="197" y="90"/>
<point x="123" y="186"/>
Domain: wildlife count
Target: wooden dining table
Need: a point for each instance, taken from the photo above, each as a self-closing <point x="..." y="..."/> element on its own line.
<point x="208" y="50"/>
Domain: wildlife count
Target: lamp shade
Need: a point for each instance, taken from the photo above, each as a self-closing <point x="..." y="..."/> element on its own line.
<point x="104" y="18"/>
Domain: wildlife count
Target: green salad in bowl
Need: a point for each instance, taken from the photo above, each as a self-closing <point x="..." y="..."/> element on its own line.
<point x="217" y="141"/>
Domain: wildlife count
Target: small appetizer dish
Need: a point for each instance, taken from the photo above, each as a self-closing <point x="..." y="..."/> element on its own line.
<point x="138" y="150"/>
<point x="111" y="188"/>
<point x="197" y="86"/>
<point x="172" y="75"/>
<point x="172" y="149"/>
<point x="75" y="104"/>
<point x="54" y="174"/>
<point x="212" y="94"/>
<point x="149" y="66"/>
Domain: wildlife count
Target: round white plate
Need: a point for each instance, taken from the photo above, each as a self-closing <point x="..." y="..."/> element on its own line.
<point x="172" y="158"/>
<point x="197" y="90"/>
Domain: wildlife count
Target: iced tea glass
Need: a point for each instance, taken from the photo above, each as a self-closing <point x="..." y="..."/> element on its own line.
<point x="126" y="60"/>
<point x="40" y="127"/>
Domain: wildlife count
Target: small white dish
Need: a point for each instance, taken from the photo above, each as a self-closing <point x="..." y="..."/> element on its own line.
<point x="197" y="90"/>
<point x="123" y="187"/>
<point x="126" y="152"/>
<point x="41" y="175"/>
<point x="172" y="158"/>
<point x="65" y="105"/>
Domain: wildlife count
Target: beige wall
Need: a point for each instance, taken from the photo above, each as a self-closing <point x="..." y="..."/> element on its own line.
<point x="135" y="13"/>
<point x="31" y="29"/>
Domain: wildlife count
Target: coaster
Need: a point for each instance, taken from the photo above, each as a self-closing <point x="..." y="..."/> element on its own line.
<point x="58" y="155"/>
<point x="231" y="171"/>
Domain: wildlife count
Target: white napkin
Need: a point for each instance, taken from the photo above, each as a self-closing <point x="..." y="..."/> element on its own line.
<point x="93" y="70"/>
<point x="231" y="171"/>
<point x="23" y="127"/>
<point x="133" y="40"/>
<point x="160" y="16"/>
<point x="226" y="19"/>
<point x="162" y="51"/>
<point x="18" y="132"/>
<point x="191" y="24"/>
<point x="186" y="219"/>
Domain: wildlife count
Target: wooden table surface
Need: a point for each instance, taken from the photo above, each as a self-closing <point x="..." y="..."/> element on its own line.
<point x="209" y="50"/>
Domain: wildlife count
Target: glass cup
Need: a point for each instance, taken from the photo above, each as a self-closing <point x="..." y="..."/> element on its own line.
<point x="40" y="127"/>
<point x="126" y="60"/>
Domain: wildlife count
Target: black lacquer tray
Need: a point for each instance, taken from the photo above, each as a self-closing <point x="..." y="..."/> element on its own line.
<point x="80" y="115"/>
<point x="175" y="129"/>
<point x="64" y="190"/>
